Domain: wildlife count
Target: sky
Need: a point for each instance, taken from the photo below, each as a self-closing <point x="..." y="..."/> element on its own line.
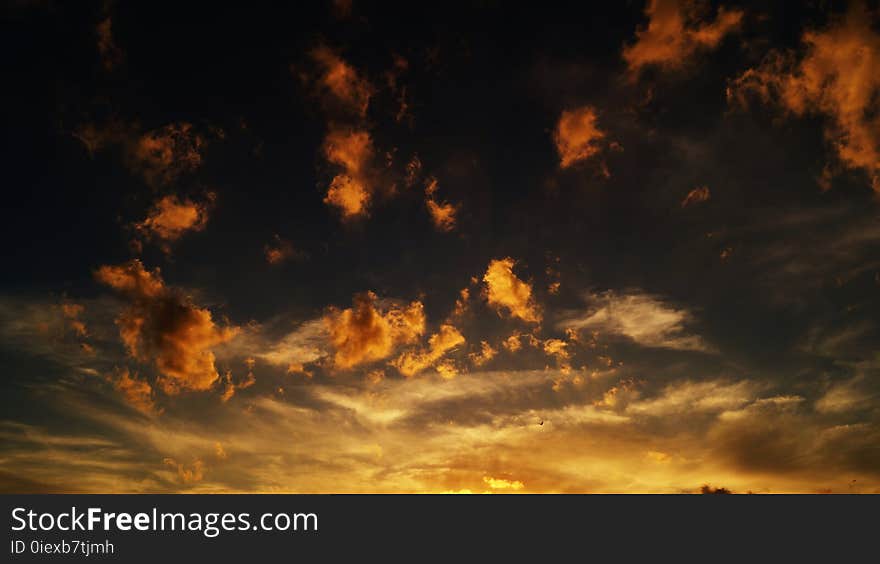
<point x="476" y="247"/>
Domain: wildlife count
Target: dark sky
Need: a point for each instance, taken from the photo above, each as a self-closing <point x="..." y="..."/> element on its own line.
<point x="441" y="247"/>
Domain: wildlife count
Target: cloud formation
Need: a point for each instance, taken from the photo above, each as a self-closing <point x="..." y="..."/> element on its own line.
<point x="835" y="77"/>
<point x="443" y="214"/>
<point x="280" y="250"/>
<point x="136" y="392"/>
<point x="370" y="331"/>
<point x="447" y="339"/>
<point x="171" y="217"/>
<point x="350" y="191"/>
<point x="340" y="84"/>
<point x="641" y="317"/>
<point x="162" y="155"/>
<point x="677" y="30"/>
<point x="505" y="291"/>
<point x="161" y="326"/>
<point x="577" y="136"/>
<point x="698" y="195"/>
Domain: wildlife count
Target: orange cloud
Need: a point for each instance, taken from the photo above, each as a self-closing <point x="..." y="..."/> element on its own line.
<point x="350" y="191"/>
<point x="502" y="484"/>
<point x="442" y="213"/>
<point x="162" y="326"/>
<point x="505" y="290"/>
<point x="577" y="136"/>
<point x="676" y="31"/>
<point x="837" y="77"/>
<point x="280" y="250"/>
<point x="513" y="343"/>
<point x="136" y="392"/>
<point x="71" y="313"/>
<point x="171" y="217"/>
<point x="557" y="348"/>
<point x="368" y="332"/>
<point x="411" y="363"/>
<point x="341" y="82"/>
<point x="461" y="303"/>
<point x="486" y="354"/>
<point x="162" y="155"/>
<point x="187" y="475"/>
<point x="232" y="386"/>
<point x="696" y="196"/>
<point x="111" y="55"/>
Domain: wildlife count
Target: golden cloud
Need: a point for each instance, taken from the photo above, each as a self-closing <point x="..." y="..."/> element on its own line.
<point x="503" y="484"/>
<point x="643" y="318"/>
<point x="577" y="136"/>
<point x="341" y="83"/>
<point x="836" y="78"/>
<point x="698" y="195"/>
<point x="136" y="392"/>
<point x="442" y="213"/>
<point x="411" y="363"/>
<point x="162" y="155"/>
<point x="71" y="313"/>
<point x="676" y="31"/>
<point x="368" y="332"/>
<point x="505" y="290"/>
<point x="187" y="474"/>
<point x="233" y="386"/>
<point x="351" y="191"/>
<point x="171" y="217"/>
<point x="163" y="327"/>
<point x="487" y="353"/>
<point x="280" y="250"/>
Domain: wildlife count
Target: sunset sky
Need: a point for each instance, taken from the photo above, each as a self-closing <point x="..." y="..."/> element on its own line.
<point x="441" y="247"/>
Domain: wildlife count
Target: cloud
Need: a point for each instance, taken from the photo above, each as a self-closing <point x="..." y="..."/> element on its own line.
<point x="187" y="474"/>
<point x="350" y="191"/>
<point x="487" y="353"/>
<point x="171" y="217"/>
<point x="343" y="88"/>
<point x="505" y="291"/>
<point x="447" y="339"/>
<point x="844" y="397"/>
<point x="556" y="347"/>
<point x="835" y="77"/>
<point x="281" y="250"/>
<point x="641" y="317"/>
<point x="111" y="55"/>
<point x="688" y="397"/>
<point x="303" y="345"/>
<point x="136" y="392"/>
<point x="162" y="155"/>
<point x="162" y="326"/>
<point x="502" y="484"/>
<point x="232" y="385"/>
<point x="371" y="331"/>
<point x="698" y="195"/>
<point x="577" y="136"/>
<point x="677" y="30"/>
<point x="443" y="214"/>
